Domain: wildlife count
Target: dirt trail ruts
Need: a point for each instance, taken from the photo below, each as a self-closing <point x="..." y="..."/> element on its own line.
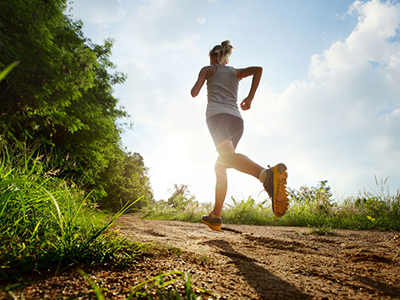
<point x="263" y="262"/>
<point x="250" y="262"/>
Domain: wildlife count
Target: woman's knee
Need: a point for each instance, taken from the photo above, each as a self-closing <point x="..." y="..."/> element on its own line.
<point x="220" y="168"/>
<point x="227" y="158"/>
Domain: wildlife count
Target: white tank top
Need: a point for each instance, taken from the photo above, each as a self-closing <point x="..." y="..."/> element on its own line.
<point x="222" y="89"/>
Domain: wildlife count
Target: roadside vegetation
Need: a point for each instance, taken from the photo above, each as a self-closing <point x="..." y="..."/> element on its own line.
<point x="56" y="93"/>
<point x="62" y="163"/>
<point x="65" y="176"/>
<point x="48" y="226"/>
<point x="309" y="206"/>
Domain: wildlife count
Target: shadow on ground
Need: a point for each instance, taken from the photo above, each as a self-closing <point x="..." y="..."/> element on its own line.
<point x="267" y="285"/>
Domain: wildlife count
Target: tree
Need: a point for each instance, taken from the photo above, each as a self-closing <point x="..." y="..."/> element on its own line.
<point x="56" y="66"/>
<point x="181" y="197"/>
<point x="61" y="93"/>
<point x="125" y="180"/>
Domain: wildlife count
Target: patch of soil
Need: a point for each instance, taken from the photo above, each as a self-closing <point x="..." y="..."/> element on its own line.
<point x="249" y="262"/>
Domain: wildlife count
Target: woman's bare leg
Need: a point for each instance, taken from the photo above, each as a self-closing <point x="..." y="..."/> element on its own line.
<point x="228" y="158"/>
<point x="238" y="161"/>
<point x="221" y="187"/>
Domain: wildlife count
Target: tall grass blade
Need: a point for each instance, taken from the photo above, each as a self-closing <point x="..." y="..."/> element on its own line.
<point x="60" y="218"/>
<point x="93" y="284"/>
<point x="109" y="223"/>
<point x="79" y="210"/>
<point x="156" y="280"/>
<point x="7" y="70"/>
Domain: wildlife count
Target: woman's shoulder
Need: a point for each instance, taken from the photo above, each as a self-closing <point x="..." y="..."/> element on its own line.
<point x="206" y="68"/>
<point x="235" y="71"/>
<point x="209" y="71"/>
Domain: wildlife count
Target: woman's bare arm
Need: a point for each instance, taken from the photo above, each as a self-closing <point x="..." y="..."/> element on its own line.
<point x="256" y="72"/>
<point x="199" y="83"/>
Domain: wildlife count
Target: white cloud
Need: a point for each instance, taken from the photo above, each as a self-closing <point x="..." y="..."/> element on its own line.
<point x="103" y="14"/>
<point x="162" y="23"/>
<point x="201" y="20"/>
<point x="341" y="124"/>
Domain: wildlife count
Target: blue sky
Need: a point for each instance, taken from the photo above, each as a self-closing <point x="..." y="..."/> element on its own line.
<point x="328" y="105"/>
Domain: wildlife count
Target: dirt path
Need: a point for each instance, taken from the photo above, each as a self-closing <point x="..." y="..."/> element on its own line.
<point x="252" y="262"/>
<point x="261" y="262"/>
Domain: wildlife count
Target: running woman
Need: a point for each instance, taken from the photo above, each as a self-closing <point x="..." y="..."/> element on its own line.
<point x="225" y="124"/>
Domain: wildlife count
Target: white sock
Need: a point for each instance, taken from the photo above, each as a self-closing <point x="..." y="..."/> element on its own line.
<point x="263" y="175"/>
<point x="213" y="216"/>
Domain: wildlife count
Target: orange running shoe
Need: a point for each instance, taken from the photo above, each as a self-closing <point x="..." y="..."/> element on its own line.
<point x="213" y="223"/>
<point x="275" y="185"/>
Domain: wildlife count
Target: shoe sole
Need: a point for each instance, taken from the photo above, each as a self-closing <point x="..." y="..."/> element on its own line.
<point x="280" y="201"/>
<point x="213" y="226"/>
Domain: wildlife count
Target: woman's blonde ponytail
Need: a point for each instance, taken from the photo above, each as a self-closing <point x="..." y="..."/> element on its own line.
<point x="222" y="52"/>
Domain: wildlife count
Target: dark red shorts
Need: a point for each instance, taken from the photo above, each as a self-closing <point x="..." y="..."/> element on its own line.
<point x="225" y="127"/>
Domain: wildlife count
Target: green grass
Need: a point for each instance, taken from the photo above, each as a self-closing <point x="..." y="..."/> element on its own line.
<point x="174" y="285"/>
<point x="7" y="70"/>
<point x="163" y="287"/>
<point x="312" y="207"/>
<point x="192" y="212"/>
<point x="49" y="224"/>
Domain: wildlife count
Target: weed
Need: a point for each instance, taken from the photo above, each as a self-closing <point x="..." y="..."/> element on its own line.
<point x="324" y="230"/>
<point x="309" y="207"/>
<point x="163" y="287"/>
<point x="44" y="223"/>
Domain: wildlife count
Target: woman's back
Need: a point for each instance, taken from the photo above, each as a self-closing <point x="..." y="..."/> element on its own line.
<point x="222" y="89"/>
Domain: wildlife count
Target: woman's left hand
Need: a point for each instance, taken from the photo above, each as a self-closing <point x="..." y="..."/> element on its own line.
<point x="246" y="103"/>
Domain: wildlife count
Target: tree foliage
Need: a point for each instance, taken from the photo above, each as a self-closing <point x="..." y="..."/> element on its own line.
<point x="126" y="178"/>
<point x="180" y="197"/>
<point x="61" y="95"/>
<point x="320" y="196"/>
